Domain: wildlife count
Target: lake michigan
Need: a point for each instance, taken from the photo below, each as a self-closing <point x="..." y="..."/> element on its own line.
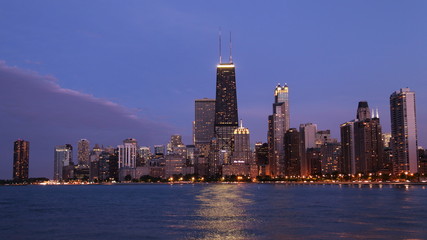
<point x="213" y="211"/>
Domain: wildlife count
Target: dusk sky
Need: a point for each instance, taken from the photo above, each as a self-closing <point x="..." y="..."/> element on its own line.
<point x="110" y="70"/>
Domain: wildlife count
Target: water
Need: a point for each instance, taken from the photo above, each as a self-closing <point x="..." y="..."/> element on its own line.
<point x="213" y="211"/>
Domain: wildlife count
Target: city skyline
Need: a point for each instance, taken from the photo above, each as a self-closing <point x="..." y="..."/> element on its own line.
<point x="314" y="90"/>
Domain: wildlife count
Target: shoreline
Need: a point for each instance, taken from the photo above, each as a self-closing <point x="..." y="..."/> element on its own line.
<point x="206" y="183"/>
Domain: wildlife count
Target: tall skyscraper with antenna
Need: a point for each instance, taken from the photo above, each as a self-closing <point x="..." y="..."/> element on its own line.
<point x="226" y="116"/>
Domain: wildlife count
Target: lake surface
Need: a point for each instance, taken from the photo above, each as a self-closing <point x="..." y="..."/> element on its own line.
<point x="213" y="211"/>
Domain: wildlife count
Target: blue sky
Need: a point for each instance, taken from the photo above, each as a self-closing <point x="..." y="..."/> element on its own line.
<point x="108" y="70"/>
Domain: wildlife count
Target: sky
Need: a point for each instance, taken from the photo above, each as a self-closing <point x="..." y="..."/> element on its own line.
<point x="110" y="70"/>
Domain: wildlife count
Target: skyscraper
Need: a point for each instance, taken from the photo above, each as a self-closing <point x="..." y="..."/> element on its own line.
<point x="21" y="155"/>
<point x="94" y="162"/>
<point x="404" y="131"/>
<point x="226" y="116"/>
<point x="127" y="153"/>
<point x="242" y="153"/>
<point x="63" y="159"/>
<point x="361" y="143"/>
<point x="308" y="140"/>
<point x="204" y="119"/>
<point x="203" y="131"/>
<point x="278" y="124"/>
<point x="242" y="156"/>
<point x="261" y="156"/>
<point x="292" y="153"/>
<point x="368" y="145"/>
<point x="83" y="152"/>
<point x="347" y="164"/>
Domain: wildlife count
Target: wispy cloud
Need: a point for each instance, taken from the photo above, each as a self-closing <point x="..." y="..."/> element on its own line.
<point x="31" y="62"/>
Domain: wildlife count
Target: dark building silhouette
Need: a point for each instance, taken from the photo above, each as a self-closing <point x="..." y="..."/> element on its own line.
<point x="204" y="120"/>
<point x="422" y="159"/>
<point x="347" y="163"/>
<point x="21" y="156"/>
<point x="314" y="161"/>
<point x="309" y="139"/>
<point x="362" y="149"/>
<point x="113" y="165"/>
<point x="292" y="153"/>
<point x="203" y="132"/>
<point x="368" y="146"/>
<point x="104" y="166"/>
<point x="330" y="154"/>
<point x="261" y="157"/>
<point x="226" y="117"/>
<point x="363" y="111"/>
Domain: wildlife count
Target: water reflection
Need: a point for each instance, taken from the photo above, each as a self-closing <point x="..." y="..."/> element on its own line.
<point x="222" y="212"/>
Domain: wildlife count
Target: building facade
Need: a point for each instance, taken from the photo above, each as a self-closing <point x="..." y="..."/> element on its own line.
<point x="63" y="159"/>
<point x="226" y="118"/>
<point x="83" y="152"/>
<point x="21" y="158"/>
<point x="292" y="153"/>
<point x="204" y="120"/>
<point x="404" y="140"/>
<point x="308" y="140"/>
<point x="127" y="153"/>
<point x="278" y="124"/>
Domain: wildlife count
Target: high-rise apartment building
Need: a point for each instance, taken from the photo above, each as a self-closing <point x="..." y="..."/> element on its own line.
<point x="83" y="152"/>
<point x="330" y="155"/>
<point x="21" y="157"/>
<point x="278" y="124"/>
<point x="63" y="160"/>
<point x="404" y="131"/>
<point x="127" y="153"/>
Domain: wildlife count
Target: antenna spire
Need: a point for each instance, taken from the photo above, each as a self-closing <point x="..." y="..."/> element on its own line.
<point x="241" y="123"/>
<point x="231" y="55"/>
<point x="220" y="56"/>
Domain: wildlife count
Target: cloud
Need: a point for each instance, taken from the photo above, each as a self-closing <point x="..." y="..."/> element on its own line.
<point x="38" y="109"/>
<point x="33" y="62"/>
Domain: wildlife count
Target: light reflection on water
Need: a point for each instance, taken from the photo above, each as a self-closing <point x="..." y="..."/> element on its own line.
<point x="222" y="212"/>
